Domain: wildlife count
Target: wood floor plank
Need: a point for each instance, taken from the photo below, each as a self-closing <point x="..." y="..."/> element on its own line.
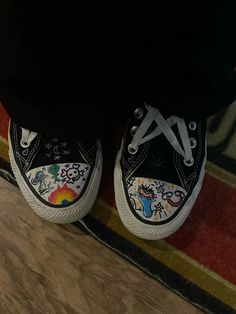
<point x="47" y="268"/>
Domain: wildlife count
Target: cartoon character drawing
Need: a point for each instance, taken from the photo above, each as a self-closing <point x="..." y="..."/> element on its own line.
<point x="173" y="198"/>
<point x="146" y="196"/>
<point x="72" y="174"/>
<point x="40" y="178"/>
<point x="159" y="187"/>
<point x="54" y="171"/>
<point x="160" y="210"/>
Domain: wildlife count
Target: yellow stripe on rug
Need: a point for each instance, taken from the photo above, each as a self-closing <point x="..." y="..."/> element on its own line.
<point x="221" y="174"/>
<point x="4" y="149"/>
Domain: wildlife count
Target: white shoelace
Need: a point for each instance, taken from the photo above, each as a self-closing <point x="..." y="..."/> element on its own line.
<point x="27" y="137"/>
<point x="163" y="126"/>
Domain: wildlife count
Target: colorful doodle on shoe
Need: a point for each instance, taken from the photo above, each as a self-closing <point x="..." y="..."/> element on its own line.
<point x="59" y="184"/>
<point x="40" y="179"/>
<point x="146" y="196"/>
<point x="154" y="200"/>
<point x="54" y="171"/>
<point x="73" y="173"/>
<point x="62" y="195"/>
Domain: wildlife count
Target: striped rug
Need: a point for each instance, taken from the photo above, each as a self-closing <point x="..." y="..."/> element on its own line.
<point x="198" y="262"/>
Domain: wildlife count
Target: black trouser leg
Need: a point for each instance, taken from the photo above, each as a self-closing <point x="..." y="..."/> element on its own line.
<point x="77" y="77"/>
<point x="83" y="76"/>
<point x="190" y="66"/>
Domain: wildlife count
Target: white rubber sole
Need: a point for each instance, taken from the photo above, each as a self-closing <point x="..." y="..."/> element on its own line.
<point x="61" y="215"/>
<point x="139" y="228"/>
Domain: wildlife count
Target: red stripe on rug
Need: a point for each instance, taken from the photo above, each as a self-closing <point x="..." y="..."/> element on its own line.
<point x="4" y="122"/>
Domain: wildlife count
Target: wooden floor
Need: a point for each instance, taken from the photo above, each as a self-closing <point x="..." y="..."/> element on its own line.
<point x="46" y="268"/>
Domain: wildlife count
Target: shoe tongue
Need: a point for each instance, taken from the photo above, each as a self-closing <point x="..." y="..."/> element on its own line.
<point x="56" y="151"/>
<point x="159" y="161"/>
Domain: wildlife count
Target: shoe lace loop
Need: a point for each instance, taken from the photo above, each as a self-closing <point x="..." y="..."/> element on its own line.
<point x="163" y="127"/>
<point x="27" y="137"/>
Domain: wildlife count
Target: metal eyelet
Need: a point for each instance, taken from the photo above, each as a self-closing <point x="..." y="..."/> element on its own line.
<point x="24" y="144"/>
<point x="192" y="125"/>
<point x="189" y="163"/>
<point x="193" y="142"/>
<point x="133" y="130"/>
<point x="138" y="113"/>
<point x="132" y="150"/>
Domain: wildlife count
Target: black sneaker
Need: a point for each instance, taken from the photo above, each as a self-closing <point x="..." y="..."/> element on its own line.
<point x="59" y="179"/>
<point x="159" y="172"/>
